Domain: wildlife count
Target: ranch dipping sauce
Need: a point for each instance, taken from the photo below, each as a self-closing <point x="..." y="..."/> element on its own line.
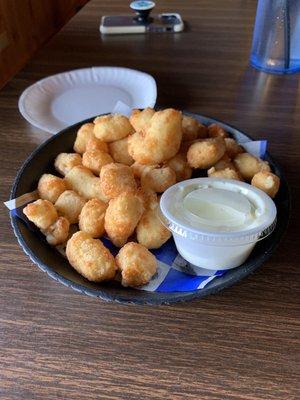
<point x="217" y="222"/>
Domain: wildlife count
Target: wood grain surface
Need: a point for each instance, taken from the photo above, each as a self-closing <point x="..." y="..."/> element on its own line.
<point x="25" y="25"/>
<point x="240" y="344"/>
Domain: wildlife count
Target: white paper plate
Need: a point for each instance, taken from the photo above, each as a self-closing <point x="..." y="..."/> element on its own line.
<point x="61" y="100"/>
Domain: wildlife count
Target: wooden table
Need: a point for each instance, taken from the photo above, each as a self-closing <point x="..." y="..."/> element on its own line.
<point x="240" y="344"/>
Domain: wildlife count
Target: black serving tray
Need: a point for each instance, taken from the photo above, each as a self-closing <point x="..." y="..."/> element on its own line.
<point x="58" y="268"/>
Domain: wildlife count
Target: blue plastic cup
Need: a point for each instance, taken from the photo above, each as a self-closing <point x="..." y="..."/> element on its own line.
<point x="276" y="37"/>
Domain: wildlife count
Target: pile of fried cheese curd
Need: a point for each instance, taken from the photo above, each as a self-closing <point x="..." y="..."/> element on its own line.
<point x="110" y="185"/>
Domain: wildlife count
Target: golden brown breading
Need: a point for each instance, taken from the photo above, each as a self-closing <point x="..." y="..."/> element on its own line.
<point x="205" y="153"/>
<point x="248" y="165"/>
<point x="267" y="182"/>
<point x="122" y="216"/>
<point x="148" y="197"/>
<point x="83" y="181"/>
<point x="90" y="257"/>
<point x="180" y="166"/>
<point x="50" y="187"/>
<point x="69" y="205"/>
<point x="85" y="132"/>
<point x="224" y="162"/>
<point x="41" y="212"/>
<point x="112" y="127"/>
<point x="160" y="141"/>
<point x="140" y="120"/>
<point x="137" y="169"/>
<point x="150" y="231"/>
<point x="157" y="179"/>
<point x="232" y="147"/>
<point x="115" y="179"/>
<point x="64" y="162"/>
<point x="136" y="263"/>
<point x="95" y="160"/>
<point x="96" y="144"/>
<point x="119" y="151"/>
<point x="58" y="232"/>
<point x="192" y="129"/>
<point x="91" y="218"/>
<point x="226" y="173"/>
<point x="215" y="130"/>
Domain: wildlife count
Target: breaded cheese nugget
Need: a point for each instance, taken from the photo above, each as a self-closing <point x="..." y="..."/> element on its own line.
<point x="160" y="142"/>
<point x="50" y="187"/>
<point x="206" y="152"/>
<point x="90" y="257"/>
<point x="64" y="162"/>
<point x="112" y="127"/>
<point x="91" y="218"/>
<point x="95" y="160"/>
<point x="96" y="144"/>
<point x="215" y="130"/>
<point x="83" y="181"/>
<point x="148" y="197"/>
<point x="69" y="205"/>
<point x="122" y="216"/>
<point x="180" y="166"/>
<point x="226" y="173"/>
<point x="192" y="129"/>
<point x="140" y="119"/>
<point x="248" y="165"/>
<point x="119" y="151"/>
<point x="138" y="169"/>
<point x="157" y="179"/>
<point x="232" y="147"/>
<point x="136" y="263"/>
<point x="115" y="179"/>
<point x="85" y="132"/>
<point x="58" y="232"/>
<point x="267" y="182"/>
<point x="41" y="212"/>
<point x="224" y="162"/>
<point x="150" y="231"/>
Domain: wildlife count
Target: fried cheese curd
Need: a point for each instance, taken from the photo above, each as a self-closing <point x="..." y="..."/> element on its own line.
<point x="150" y="231"/>
<point x="64" y="162"/>
<point x="249" y="165"/>
<point x="160" y="140"/>
<point x="226" y="173"/>
<point x="122" y="216"/>
<point x="141" y="119"/>
<point x="69" y="205"/>
<point x="232" y="147"/>
<point x="116" y="178"/>
<point x="91" y="218"/>
<point x="180" y="166"/>
<point x="136" y="263"/>
<point x="192" y="129"/>
<point x="215" y="130"/>
<point x="112" y="127"/>
<point x="41" y="212"/>
<point x="58" y="232"/>
<point x="266" y="181"/>
<point x="85" y="132"/>
<point x="85" y="183"/>
<point x="95" y="160"/>
<point x="157" y="178"/>
<point x="119" y="151"/>
<point x="96" y="144"/>
<point x="90" y="258"/>
<point x="206" y="152"/>
<point x="50" y="187"/>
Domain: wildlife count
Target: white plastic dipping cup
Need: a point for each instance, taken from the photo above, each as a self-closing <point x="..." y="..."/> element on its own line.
<point x="217" y="222"/>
